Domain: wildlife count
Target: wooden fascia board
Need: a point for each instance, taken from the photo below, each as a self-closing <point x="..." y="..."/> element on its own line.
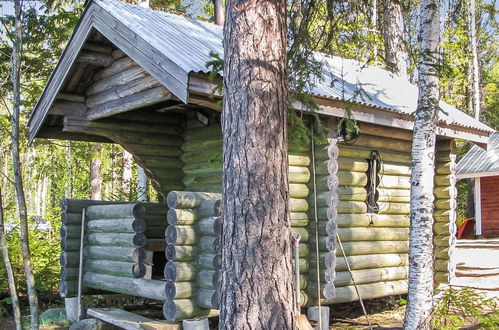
<point x="200" y="85"/>
<point x="60" y="73"/>
<point x="476" y="175"/>
<point x="169" y="74"/>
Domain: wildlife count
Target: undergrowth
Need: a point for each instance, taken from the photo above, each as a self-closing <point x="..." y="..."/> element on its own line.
<point x="458" y="307"/>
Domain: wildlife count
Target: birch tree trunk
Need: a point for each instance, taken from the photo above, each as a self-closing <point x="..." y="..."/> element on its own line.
<point x="8" y="269"/>
<point x="126" y="173"/>
<point x="393" y="37"/>
<point x="474" y="56"/>
<point x="420" y="299"/>
<point x="18" y="181"/>
<point x="96" y="173"/>
<point x="256" y="276"/>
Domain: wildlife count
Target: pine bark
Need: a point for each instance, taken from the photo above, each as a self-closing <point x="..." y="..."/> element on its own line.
<point x="18" y="181"/>
<point x="256" y="280"/>
<point x="8" y="269"/>
<point x="393" y="37"/>
<point x="96" y="173"/>
<point x="420" y="303"/>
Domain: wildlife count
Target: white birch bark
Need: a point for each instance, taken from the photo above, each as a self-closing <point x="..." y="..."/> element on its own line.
<point x="474" y="54"/>
<point x="141" y="185"/>
<point x="126" y="172"/>
<point x="420" y="304"/>
<point x="96" y="173"/>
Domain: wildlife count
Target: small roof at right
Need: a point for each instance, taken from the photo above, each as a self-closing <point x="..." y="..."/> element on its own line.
<point x="479" y="162"/>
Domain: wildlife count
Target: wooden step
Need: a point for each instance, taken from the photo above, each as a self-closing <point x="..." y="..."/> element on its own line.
<point x="130" y="321"/>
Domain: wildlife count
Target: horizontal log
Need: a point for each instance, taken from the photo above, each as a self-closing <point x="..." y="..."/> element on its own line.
<point x="298" y="205"/>
<point x="444" y="180"/>
<point x="394" y="208"/>
<point x="351" y="207"/>
<point x="368" y="291"/>
<point x="98" y="47"/>
<point x="447" y="167"/>
<point x="117" y="239"/>
<point x="395" y="169"/>
<point x="441" y="265"/>
<point x="204" y="298"/>
<point x="372" y="220"/>
<point x="182" y="216"/>
<point x="70" y="218"/>
<point x="298" y="174"/>
<point x="180" y="290"/>
<point x="181" y="253"/>
<point x="441" y="240"/>
<point x="208" y="188"/>
<point x="445" y="204"/>
<point x="115" y="268"/>
<point x="441" y="228"/>
<point x="209" y="226"/>
<point x="180" y="271"/>
<point x="132" y="102"/>
<point x="116" y="67"/>
<point x="69" y="259"/>
<point x="138" y="287"/>
<point x="181" y="309"/>
<point x="210" y="153"/>
<point x="371" y="261"/>
<point x="182" y="235"/>
<point x="441" y="277"/>
<point x="77" y="205"/>
<point x="95" y="58"/>
<point x="207" y="260"/>
<point x="202" y="179"/>
<point x="373" y="234"/>
<point x="394" y="195"/>
<point x="374" y="247"/>
<point x="347" y="164"/>
<point x="386" y="156"/>
<point x="70" y="244"/>
<point x="189" y="200"/>
<point x="297" y="190"/>
<point x="70" y="97"/>
<point x="130" y="225"/>
<point x="195" y="146"/>
<point x="115" y="253"/>
<point x="203" y="167"/>
<point x="70" y="232"/>
<point x="119" y="78"/>
<point x="69" y="273"/>
<point x="383" y="143"/>
<point x="205" y="278"/>
<point x="127" y="89"/>
<point x="205" y="133"/>
<point x="443" y="215"/>
<point x="298" y="160"/>
<point x="352" y="194"/>
<point x="342" y="179"/>
<point x="445" y="192"/>
<point x="394" y="182"/>
<point x="365" y="276"/>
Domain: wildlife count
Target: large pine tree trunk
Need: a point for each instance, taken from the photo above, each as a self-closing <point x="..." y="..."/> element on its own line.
<point x="96" y="173"/>
<point x="256" y="278"/>
<point x="8" y="269"/>
<point x="474" y="56"/>
<point x="393" y="37"/>
<point x="420" y="303"/>
<point x="18" y="181"/>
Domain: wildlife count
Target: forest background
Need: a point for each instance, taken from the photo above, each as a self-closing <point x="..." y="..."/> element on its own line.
<point x="53" y="170"/>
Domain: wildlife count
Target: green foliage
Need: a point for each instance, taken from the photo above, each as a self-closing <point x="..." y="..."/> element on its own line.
<point x="457" y="307"/>
<point x="348" y="127"/>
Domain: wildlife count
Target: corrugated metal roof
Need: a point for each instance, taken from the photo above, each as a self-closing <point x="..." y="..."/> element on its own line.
<point x="479" y="160"/>
<point x="188" y="42"/>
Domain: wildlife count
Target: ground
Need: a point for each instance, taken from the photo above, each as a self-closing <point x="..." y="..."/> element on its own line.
<point x="477" y="264"/>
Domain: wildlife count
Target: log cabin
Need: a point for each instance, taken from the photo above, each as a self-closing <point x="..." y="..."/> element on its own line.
<point x="138" y="77"/>
<point x="482" y="166"/>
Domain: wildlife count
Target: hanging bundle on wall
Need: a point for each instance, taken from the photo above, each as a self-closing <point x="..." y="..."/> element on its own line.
<point x="373" y="181"/>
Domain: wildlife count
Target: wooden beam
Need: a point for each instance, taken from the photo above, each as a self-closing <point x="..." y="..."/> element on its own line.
<point x="145" y="98"/>
<point x="119" y="65"/>
<point x="98" y="47"/>
<point x="63" y="108"/>
<point x="58" y="134"/>
<point x="130" y="321"/>
<point x="95" y="58"/>
<point x="71" y="97"/>
<point x="75" y="78"/>
<point x="119" y="78"/>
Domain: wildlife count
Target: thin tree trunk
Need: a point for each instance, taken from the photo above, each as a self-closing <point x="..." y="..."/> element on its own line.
<point x="8" y="269"/>
<point x="256" y="277"/>
<point x="420" y="297"/>
<point x="96" y="173"/>
<point x="474" y="56"/>
<point x="126" y="173"/>
<point x="18" y="181"/>
<point x="393" y="36"/>
<point x="68" y="192"/>
<point x="141" y="185"/>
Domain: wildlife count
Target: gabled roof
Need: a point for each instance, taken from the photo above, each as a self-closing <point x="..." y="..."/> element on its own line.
<point x="479" y="162"/>
<point x="170" y="47"/>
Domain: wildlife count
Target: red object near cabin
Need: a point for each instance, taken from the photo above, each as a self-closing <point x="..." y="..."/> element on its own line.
<point x="489" y="197"/>
<point x="467" y="229"/>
